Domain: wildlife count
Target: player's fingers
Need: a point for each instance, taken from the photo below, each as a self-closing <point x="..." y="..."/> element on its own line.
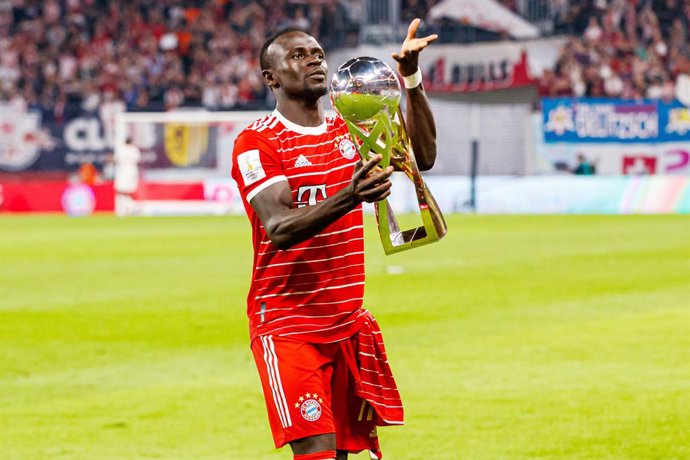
<point x="374" y="199"/>
<point x="395" y="56"/>
<point x="377" y="190"/>
<point x="412" y="29"/>
<point x="385" y="173"/>
<point x="358" y="166"/>
<point x="368" y="166"/>
<point x="379" y="175"/>
<point x="377" y="193"/>
<point x="374" y="179"/>
<point x="375" y="176"/>
<point x="421" y="43"/>
<point x="372" y="162"/>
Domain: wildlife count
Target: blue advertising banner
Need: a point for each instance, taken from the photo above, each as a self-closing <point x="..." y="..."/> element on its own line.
<point x="571" y="120"/>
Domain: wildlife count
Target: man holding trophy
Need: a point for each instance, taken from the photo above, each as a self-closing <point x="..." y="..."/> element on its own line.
<point x="320" y="355"/>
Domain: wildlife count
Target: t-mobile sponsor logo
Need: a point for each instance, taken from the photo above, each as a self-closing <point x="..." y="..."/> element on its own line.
<point x="308" y="195"/>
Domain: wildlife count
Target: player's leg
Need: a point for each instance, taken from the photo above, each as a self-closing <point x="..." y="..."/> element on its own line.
<point x="319" y="447"/>
<point x="295" y="377"/>
<point x="355" y="419"/>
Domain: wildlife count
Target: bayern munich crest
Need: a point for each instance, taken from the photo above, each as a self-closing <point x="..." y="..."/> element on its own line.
<point x="347" y="149"/>
<point x="310" y="407"/>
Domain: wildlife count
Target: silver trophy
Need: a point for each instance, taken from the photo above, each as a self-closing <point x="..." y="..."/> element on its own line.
<point x="366" y="93"/>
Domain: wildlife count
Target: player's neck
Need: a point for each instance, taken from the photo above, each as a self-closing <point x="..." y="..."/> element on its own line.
<point x="302" y="113"/>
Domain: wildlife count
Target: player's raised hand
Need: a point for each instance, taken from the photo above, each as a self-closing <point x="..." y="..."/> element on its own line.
<point x="369" y="182"/>
<point x="408" y="58"/>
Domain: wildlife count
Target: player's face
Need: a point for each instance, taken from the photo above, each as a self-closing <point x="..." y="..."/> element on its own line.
<point x="299" y="66"/>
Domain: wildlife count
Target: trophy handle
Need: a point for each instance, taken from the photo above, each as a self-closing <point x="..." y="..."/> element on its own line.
<point x="388" y="136"/>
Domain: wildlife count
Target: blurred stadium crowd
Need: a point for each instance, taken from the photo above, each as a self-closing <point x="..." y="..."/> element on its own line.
<point x="149" y="53"/>
<point x="154" y="55"/>
<point x="627" y="49"/>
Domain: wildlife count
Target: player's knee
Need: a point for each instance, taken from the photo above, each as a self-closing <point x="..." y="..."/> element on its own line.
<point x="319" y="447"/>
<point x="323" y="455"/>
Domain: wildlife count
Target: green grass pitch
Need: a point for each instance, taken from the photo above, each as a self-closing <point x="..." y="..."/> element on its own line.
<point x="516" y="337"/>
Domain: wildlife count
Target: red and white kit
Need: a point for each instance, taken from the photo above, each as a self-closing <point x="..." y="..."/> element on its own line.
<point x="305" y="299"/>
<point x="312" y="291"/>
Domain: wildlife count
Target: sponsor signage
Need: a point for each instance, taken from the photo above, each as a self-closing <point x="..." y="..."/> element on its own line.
<point x="78" y="200"/>
<point x="36" y="141"/>
<point x="487" y="74"/>
<point x="613" y="157"/>
<point x="495" y="195"/>
<point x="471" y="68"/>
<point x="614" y="121"/>
<point x="21" y="138"/>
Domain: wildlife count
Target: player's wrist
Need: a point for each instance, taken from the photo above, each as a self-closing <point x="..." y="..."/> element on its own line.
<point x="414" y="80"/>
<point x="349" y="198"/>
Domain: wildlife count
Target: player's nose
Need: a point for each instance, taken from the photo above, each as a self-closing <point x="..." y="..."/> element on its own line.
<point x="316" y="60"/>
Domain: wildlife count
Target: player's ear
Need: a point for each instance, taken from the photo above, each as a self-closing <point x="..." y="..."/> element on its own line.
<point x="269" y="78"/>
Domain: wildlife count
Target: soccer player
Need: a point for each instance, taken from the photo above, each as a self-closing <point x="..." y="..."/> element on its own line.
<point x="127" y="158"/>
<point x="320" y="355"/>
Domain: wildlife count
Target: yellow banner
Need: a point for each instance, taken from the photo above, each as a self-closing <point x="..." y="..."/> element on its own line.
<point x="185" y="145"/>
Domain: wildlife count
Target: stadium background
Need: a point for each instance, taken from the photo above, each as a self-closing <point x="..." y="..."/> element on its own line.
<point x="535" y="83"/>
<point x="561" y="336"/>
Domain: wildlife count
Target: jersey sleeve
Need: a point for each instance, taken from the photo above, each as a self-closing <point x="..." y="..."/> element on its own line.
<point x="255" y="164"/>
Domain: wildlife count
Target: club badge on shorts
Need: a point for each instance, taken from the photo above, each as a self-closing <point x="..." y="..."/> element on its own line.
<point x="310" y="407"/>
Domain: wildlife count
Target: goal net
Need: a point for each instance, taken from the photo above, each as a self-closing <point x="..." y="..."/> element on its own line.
<point x="184" y="162"/>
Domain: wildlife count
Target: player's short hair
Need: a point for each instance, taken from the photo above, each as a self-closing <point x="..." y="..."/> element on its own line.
<point x="264" y="62"/>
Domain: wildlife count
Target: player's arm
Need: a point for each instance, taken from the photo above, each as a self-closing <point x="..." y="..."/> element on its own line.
<point x="287" y="225"/>
<point x="419" y="119"/>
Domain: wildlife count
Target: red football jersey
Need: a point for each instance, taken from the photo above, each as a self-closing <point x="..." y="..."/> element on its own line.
<point x="312" y="291"/>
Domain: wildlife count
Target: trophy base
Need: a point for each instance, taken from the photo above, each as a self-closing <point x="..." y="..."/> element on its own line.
<point x="394" y="240"/>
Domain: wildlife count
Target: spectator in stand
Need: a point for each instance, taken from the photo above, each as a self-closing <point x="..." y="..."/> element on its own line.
<point x="154" y="54"/>
<point x="593" y="32"/>
<point x="629" y="49"/>
<point x="584" y="167"/>
<point x="88" y="174"/>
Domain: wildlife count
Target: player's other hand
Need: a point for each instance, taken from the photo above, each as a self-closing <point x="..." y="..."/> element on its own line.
<point x="370" y="183"/>
<point x="408" y="58"/>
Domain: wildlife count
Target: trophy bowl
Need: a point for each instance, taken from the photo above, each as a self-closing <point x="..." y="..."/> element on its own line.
<point x="362" y="87"/>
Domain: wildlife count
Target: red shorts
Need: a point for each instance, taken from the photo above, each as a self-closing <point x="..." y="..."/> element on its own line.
<point x="309" y="390"/>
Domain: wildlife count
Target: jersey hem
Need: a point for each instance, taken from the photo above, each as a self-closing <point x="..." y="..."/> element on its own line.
<point x="308" y="337"/>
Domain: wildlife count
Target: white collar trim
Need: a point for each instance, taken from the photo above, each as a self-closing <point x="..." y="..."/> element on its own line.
<point x="299" y="128"/>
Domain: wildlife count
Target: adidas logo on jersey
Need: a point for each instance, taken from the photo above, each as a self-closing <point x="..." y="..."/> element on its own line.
<point x="302" y="161"/>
